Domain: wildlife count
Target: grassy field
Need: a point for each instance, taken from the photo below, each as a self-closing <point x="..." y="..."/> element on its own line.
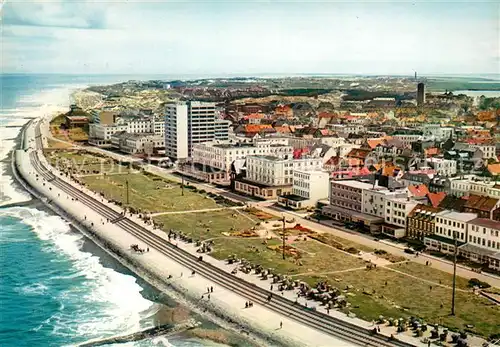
<point x="315" y="257"/>
<point x="206" y="225"/>
<point x="85" y="163"/>
<point x="430" y="274"/>
<point x="403" y="296"/>
<point x="148" y="194"/>
<point x="406" y="296"/>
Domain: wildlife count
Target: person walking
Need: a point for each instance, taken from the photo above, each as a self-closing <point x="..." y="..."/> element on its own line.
<point x="281" y="325"/>
<point x="211" y="289"/>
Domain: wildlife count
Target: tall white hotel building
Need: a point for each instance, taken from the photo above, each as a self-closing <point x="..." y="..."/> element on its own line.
<point x="189" y="123"/>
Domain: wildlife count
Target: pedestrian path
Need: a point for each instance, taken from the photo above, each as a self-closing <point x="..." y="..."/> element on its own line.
<point x="196" y="211"/>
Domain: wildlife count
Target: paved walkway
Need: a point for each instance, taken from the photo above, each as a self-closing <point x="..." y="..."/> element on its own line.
<point x="196" y="211"/>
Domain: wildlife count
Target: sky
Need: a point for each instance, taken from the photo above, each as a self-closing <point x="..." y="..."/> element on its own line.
<point x="250" y="37"/>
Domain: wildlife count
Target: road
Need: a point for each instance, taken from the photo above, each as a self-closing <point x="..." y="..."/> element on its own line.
<point x="318" y="320"/>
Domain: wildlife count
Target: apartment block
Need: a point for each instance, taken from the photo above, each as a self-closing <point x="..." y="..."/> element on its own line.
<point x="421" y="221"/>
<point x="450" y="225"/>
<point x="190" y="123"/>
<point x="397" y="210"/>
<point x="483" y="242"/>
<point x="221" y="154"/>
<point x="268" y="177"/>
<point x="176" y="131"/>
<point x="308" y="188"/>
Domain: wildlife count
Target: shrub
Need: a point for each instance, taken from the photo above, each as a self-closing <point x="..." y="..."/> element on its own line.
<point x="474" y="282"/>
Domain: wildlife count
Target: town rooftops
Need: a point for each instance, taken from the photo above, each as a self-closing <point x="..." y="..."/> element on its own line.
<point x="419" y="191"/>
<point x="267" y="157"/>
<point x="451" y="202"/>
<point x="459" y="216"/>
<point x="436" y="198"/>
<point x="487" y="223"/>
<point x="426" y="211"/>
<point x="77" y="118"/>
<point x="482" y="203"/>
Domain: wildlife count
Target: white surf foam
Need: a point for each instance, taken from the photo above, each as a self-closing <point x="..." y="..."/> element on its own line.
<point x="103" y="302"/>
<point x="34" y="289"/>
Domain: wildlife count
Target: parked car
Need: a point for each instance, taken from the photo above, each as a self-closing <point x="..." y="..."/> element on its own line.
<point x="409" y="251"/>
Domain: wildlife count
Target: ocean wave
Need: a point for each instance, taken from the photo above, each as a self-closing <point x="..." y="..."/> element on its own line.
<point x="33" y="289"/>
<point x="93" y="300"/>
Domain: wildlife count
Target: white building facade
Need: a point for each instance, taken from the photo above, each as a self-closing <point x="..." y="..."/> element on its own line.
<point x="221" y="154"/>
<point x="483" y="242"/>
<point x="449" y="225"/>
<point x="190" y="123"/>
<point x="443" y="167"/>
<point x="275" y="171"/>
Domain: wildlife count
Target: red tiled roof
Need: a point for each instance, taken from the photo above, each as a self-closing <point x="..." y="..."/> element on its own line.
<point x="494" y="169"/>
<point x="419" y="191"/>
<point x="358" y="153"/>
<point x="283" y="129"/>
<point x="256" y="128"/>
<point x="431" y="151"/>
<point x="254" y="116"/>
<point x="436" y="198"/>
<point x="372" y="143"/>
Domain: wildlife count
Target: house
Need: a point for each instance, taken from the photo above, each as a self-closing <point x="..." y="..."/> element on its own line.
<point x="418" y="177"/>
<point x="308" y="188"/>
<point x="483" y="244"/>
<point x="76" y="121"/>
<point x="283" y="111"/>
<point x="346" y="201"/>
<point x="468" y="159"/>
<point x="254" y="118"/>
<point x="418" y="191"/>
<point x="421" y="221"/>
<point x="494" y="169"/>
<point x="250" y="130"/>
<point x="450" y="231"/>
<point x="483" y="206"/>
<point x="443" y="167"/>
<point x="359" y="153"/>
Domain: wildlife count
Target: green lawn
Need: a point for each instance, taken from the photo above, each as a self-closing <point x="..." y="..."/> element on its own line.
<point x="315" y="257"/>
<point x="206" y="225"/>
<point x="430" y="274"/>
<point x="148" y="194"/>
<point x="405" y="296"/>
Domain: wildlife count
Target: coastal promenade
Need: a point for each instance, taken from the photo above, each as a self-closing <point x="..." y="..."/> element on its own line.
<point x="301" y="326"/>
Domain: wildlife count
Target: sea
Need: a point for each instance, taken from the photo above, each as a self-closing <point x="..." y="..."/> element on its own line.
<point x="57" y="288"/>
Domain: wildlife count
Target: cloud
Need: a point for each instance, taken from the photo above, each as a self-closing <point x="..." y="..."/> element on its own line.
<point x="55" y="13"/>
<point x="231" y="37"/>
